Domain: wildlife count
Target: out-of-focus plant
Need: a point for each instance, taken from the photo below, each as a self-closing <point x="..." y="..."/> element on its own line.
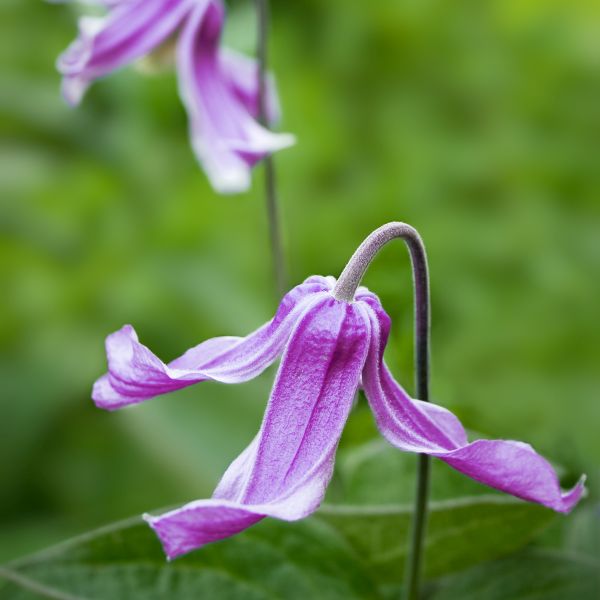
<point x="490" y="151"/>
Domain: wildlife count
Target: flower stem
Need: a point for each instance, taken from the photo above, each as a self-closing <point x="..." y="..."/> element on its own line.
<point x="344" y="289"/>
<point x="279" y="270"/>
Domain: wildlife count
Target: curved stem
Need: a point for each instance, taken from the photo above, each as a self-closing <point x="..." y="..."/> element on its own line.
<point x="345" y="289"/>
<point x="262" y="11"/>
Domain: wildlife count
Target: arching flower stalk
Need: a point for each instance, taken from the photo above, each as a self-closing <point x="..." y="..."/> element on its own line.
<point x="331" y="340"/>
<point x="219" y="87"/>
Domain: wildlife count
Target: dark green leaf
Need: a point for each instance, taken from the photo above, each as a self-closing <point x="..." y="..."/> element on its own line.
<point x="460" y="532"/>
<point x="529" y="576"/>
<point x="467" y="524"/>
<point x="125" y="562"/>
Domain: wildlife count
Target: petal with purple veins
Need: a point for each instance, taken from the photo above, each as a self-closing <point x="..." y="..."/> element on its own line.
<point x="509" y="466"/>
<point x="136" y="374"/>
<point x="225" y="136"/>
<point x="130" y="30"/>
<point x="285" y="470"/>
<point x="241" y="72"/>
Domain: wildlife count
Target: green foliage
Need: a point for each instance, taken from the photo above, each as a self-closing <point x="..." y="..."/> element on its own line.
<point x="460" y="533"/>
<point x="528" y="576"/>
<point x="125" y="561"/>
<point x="344" y="551"/>
<point x="373" y="480"/>
<point x="478" y="122"/>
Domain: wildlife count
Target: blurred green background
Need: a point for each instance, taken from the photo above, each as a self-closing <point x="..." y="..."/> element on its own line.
<point x="477" y="122"/>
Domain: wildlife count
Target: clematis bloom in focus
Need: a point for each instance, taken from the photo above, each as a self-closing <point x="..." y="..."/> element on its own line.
<point x="328" y="349"/>
<point x="218" y="87"/>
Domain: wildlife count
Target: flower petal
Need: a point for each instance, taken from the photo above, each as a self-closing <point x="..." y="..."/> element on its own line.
<point x="515" y="468"/>
<point x="225" y="137"/>
<point x="285" y="470"/>
<point x="241" y="73"/>
<point x="197" y="524"/>
<point x="135" y="374"/>
<point x="415" y="426"/>
<point x="128" y="32"/>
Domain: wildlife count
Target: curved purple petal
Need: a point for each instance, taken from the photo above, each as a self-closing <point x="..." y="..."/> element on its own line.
<point x="129" y="31"/>
<point x="415" y="426"/>
<point x="241" y="73"/>
<point x="225" y="136"/>
<point x="135" y="374"/>
<point x="285" y="470"/>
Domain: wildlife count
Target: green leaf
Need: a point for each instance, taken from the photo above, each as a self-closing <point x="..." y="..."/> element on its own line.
<point x="377" y="473"/>
<point x="124" y="561"/>
<point x="460" y="532"/>
<point x="339" y="553"/>
<point x="535" y="575"/>
<point x="583" y="532"/>
<point x="371" y="506"/>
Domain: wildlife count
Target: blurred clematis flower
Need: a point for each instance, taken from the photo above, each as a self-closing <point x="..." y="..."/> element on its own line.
<point x="329" y="348"/>
<point x="218" y="87"/>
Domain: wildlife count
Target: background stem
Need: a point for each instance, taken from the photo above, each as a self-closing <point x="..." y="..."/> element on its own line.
<point x="273" y="218"/>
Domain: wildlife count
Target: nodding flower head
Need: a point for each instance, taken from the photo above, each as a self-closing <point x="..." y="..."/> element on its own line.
<point x="219" y="87"/>
<point x="329" y="347"/>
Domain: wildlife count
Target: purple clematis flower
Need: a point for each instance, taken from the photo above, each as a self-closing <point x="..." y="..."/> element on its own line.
<point x="329" y="348"/>
<point x="219" y="87"/>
